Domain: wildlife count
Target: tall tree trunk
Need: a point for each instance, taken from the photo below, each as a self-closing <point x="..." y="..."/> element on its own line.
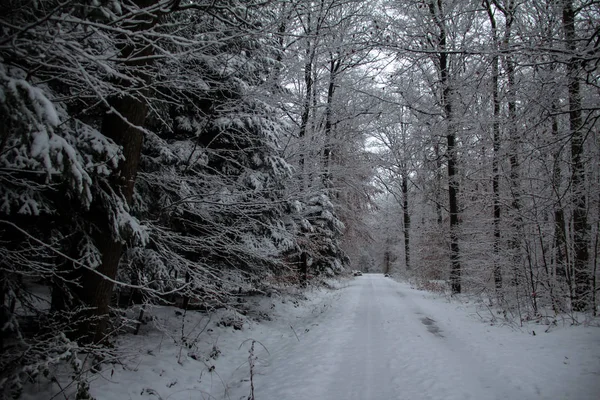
<point x="496" y="151"/>
<point x="308" y="94"/>
<point x="406" y="219"/>
<point x="514" y="139"/>
<point x="561" y="251"/>
<point x="560" y="237"/>
<point x="438" y="184"/>
<point x="507" y="7"/>
<point x="123" y="124"/>
<point x="595" y="265"/>
<point x="402" y="160"/>
<point x="580" y="301"/>
<point x="334" y="66"/>
<point x="386" y="261"/>
<point x="304" y="119"/>
<point x="455" y="271"/>
<point x="436" y="9"/>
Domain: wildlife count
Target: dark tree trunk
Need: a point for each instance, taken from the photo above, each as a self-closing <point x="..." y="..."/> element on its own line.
<point x="561" y="253"/>
<point x="437" y="13"/>
<point x="455" y="271"/>
<point x="581" y="274"/>
<point x="438" y="184"/>
<point x="98" y="286"/>
<point x="560" y="235"/>
<point x="496" y="152"/>
<point x="122" y="123"/>
<point x="516" y="235"/>
<point x="308" y="82"/>
<point x="387" y="262"/>
<point x="303" y="268"/>
<point x="595" y="268"/>
<point x="334" y="66"/>
<point x="406" y="221"/>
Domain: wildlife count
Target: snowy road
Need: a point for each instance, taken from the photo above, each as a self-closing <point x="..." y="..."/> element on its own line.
<point x="372" y="339"/>
<point x="382" y="340"/>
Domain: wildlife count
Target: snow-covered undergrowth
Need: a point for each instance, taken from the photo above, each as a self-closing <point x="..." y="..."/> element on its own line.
<point x="194" y="355"/>
<point x="485" y="306"/>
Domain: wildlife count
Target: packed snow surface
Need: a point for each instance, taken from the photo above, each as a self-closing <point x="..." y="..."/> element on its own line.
<point x="374" y="339"/>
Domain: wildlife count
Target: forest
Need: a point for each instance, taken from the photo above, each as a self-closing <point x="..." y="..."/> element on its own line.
<point x="184" y="152"/>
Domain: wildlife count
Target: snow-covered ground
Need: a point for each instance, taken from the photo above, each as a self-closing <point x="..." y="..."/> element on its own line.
<point x="372" y="339"/>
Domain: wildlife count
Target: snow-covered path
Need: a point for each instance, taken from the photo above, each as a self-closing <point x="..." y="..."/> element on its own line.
<point x="382" y="340"/>
<point x="373" y="339"/>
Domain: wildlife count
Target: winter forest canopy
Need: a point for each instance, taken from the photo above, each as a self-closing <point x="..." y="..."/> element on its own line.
<point x="182" y="151"/>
